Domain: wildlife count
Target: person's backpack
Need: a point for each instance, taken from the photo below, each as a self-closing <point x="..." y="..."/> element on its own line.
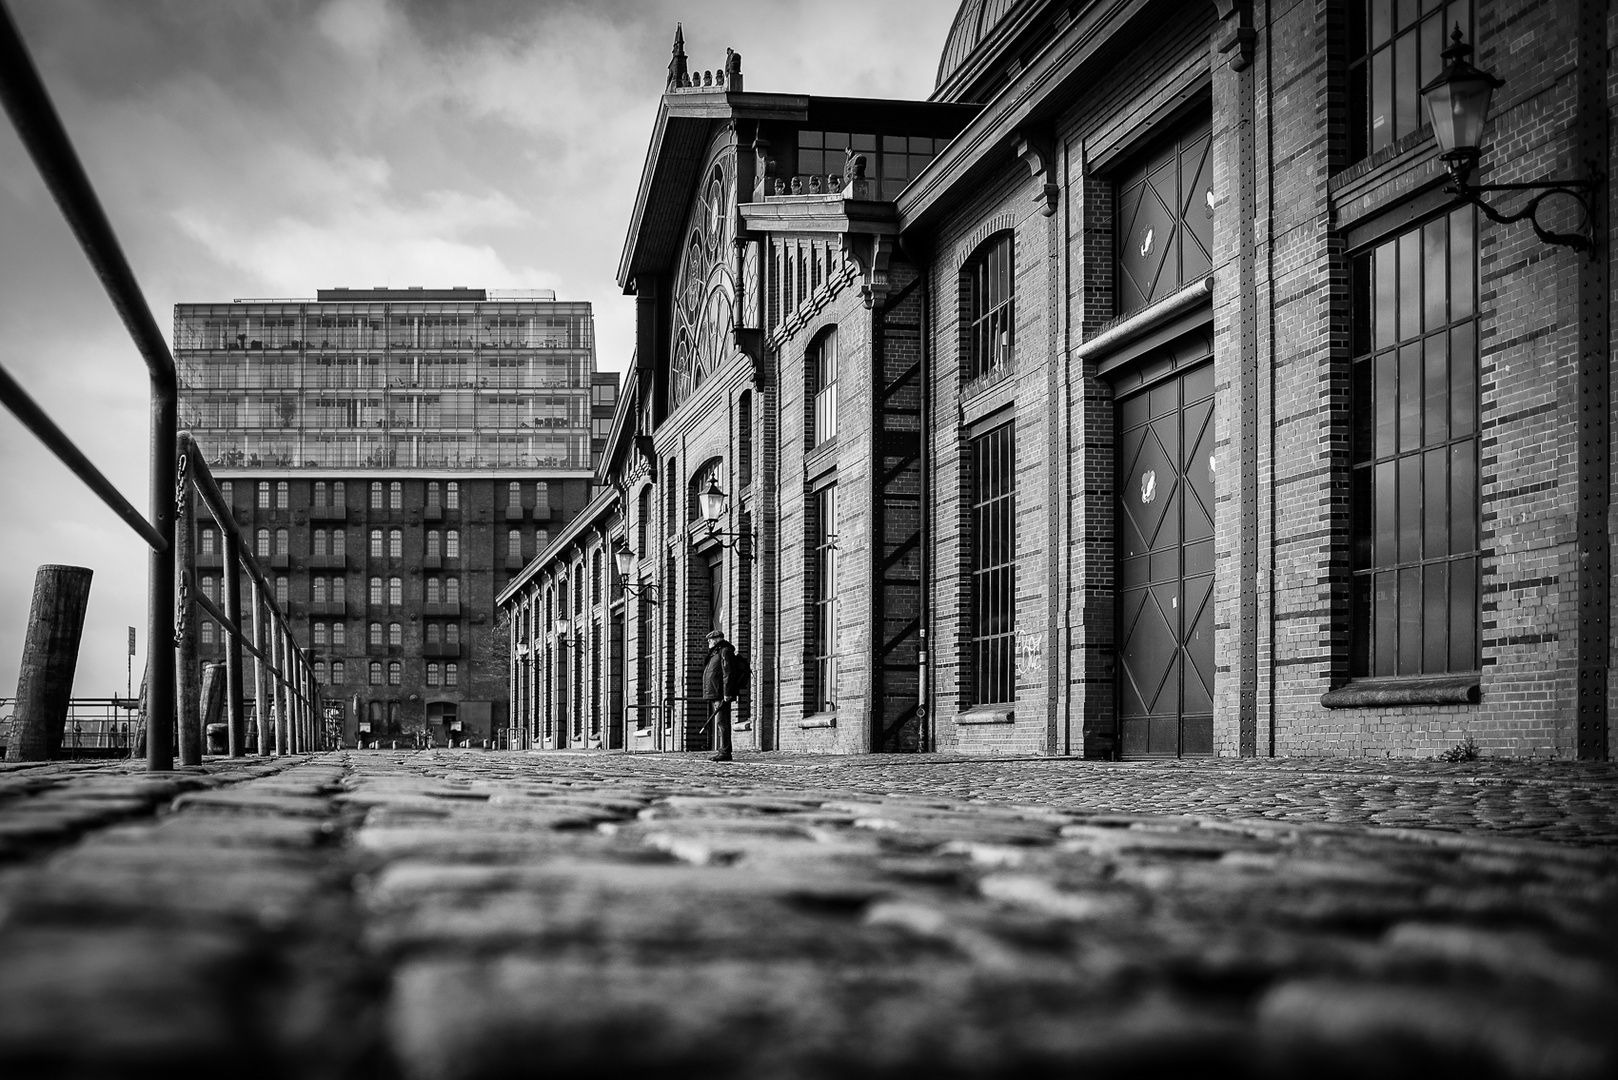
<point x="741" y="674"/>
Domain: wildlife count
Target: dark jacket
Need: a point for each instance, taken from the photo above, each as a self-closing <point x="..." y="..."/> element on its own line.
<point x="719" y="673"/>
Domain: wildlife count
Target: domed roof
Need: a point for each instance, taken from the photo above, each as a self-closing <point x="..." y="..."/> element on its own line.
<point x="973" y="22"/>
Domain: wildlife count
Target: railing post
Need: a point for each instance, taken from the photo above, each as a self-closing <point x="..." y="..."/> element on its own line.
<point x="261" y="692"/>
<point x="279" y="653"/>
<point x="188" y="678"/>
<point x="234" y="719"/>
<point x="160" y="595"/>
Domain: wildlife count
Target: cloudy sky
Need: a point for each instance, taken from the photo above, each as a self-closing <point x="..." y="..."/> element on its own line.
<point x="267" y="148"/>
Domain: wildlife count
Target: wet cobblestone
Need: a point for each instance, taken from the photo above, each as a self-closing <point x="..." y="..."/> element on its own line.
<point x="467" y="914"/>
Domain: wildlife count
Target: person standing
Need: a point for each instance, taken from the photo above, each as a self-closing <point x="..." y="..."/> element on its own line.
<point x="719" y="687"/>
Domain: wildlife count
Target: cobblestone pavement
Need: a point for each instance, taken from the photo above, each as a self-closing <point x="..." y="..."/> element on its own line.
<point x="456" y="914"/>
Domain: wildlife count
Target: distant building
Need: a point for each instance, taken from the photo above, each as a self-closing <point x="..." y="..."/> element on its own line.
<point x="393" y="456"/>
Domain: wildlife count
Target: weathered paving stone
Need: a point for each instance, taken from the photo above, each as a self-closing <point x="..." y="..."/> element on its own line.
<point x="455" y="914"/>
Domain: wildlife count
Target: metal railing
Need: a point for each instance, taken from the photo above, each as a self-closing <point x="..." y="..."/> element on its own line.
<point x="96" y="727"/>
<point x="171" y="639"/>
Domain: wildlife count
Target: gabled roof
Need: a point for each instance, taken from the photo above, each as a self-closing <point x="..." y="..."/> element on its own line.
<point x="619" y="438"/>
<point x="674" y="160"/>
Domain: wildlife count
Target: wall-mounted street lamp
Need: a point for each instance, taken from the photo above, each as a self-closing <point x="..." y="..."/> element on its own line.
<point x="712" y="503"/>
<point x="625" y="558"/>
<point x="1458" y="105"/>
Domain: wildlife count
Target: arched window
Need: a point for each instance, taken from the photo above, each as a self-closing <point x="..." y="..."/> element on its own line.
<point x="281" y="593"/>
<point x="452" y="495"/>
<point x="822" y="363"/>
<point x="376" y="673"/>
<point x="435" y="634"/>
<point x="452" y="674"/>
<point x="317" y="590"/>
<point x="452" y="590"/>
<point x="376" y="543"/>
<point x="338" y="670"/>
<point x="339" y="543"/>
<point x="320" y="493"/>
<point x="376" y="495"/>
<point x="514" y="544"/>
<point x="262" y="547"/>
<point x="339" y="635"/>
<point x="376" y="633"/>
<point x="991" y="308"/>
<point x="207" y="631"/>
<point x="263" y="494"/>
<point x="318" y="631"/>
<point x="318" y="547"/>
<point x="452" y="544"/>
<point x="339" y="499"/>
<point x="283" y="540"/>
<point x="433" y="497"/>
<point x="395" y="672"/>
<point x="514" y="493"/>
<point x="280" y="494"/>
<point x="226" y="491"/>
<point x="376" y="591"/>
<point x="395" y="591"/>
<point x="432" y="674"/>
<point x="339" y="590"/>
<point x="208" y="586"/>
<point x="396" y="496"/>
<point x="208" y="541"/>
<point x="320" y="671"/>
<point x="434" y="543"/>
<point x="435" y="590"/>
<point x="452" y="634"/>
<point x="395" y="543"/>
<point x="395" y="634"/>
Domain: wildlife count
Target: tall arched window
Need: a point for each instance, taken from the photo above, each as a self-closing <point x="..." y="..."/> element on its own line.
<point x="822" y="362"/>
<point x="317" y="590"/>
<point x="283" y="540"/>
<point x="435" y="634"/>
<point x="376" y="495"/>
<point x="209" y="541"/>
<point x="376" y="543"/>
<point x="376" y="673"/>
<point x="395" y="634"/>
<point x="744" y="438"/>
<point x="338" y="671"/>
<point x="280" y="494"/>
<point x="435" y="590"/>
<point x="339" y="542"/>
<point x="395" y="543"/>
<point x="318" y="633"/>
<point x="432" y="674"/>
<point x="376" y="591"/>
<point x="991" y="308"/>
<point x="339" y="498"/>
<point x="375" y="637"/>
<point x="319" y="545"/>
<point x="339" y="635"/>
<point x="452" y="544"/>
<point x="452" y="590"/>
<point x="395" y="591"/>
<point x="262" y="544"/>
<point x="339" y="590"/>
<point x="320" y="493"/>
<point x="396" y="496"/>
<point x="452" y="495"/>
<point x="395" y="672"/>
<point x="514" y="544"/>
<point x="452" y="674"/>
<point x="434" y="543"/>
<point x="452" y="634"/>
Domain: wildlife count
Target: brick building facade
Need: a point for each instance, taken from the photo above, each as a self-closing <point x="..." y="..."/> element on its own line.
<point x="1146" y="392"/>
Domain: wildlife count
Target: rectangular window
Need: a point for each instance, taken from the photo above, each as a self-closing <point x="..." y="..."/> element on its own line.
<point x="991" y="309"/>
<point x="994" y="560"/>
<point x="823" y="364"/>
<point x="1413" y="481"/>
<point x="1164" y="221"/>
<point x="824" y="560"/>
<point x="1393" y="51"/>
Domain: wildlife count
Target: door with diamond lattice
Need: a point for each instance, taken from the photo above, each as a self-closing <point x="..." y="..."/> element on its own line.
<point x="1165" y="461"/>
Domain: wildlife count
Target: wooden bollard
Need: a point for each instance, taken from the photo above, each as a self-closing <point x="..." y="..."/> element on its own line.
<point x="50" y="655"/>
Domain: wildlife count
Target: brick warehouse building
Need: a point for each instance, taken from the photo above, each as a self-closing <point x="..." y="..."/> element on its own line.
<point x="394" y="456"/>
<point x="1146" y="392"/>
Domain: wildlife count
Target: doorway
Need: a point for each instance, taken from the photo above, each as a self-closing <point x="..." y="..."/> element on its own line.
<point x="1165" y="535"/>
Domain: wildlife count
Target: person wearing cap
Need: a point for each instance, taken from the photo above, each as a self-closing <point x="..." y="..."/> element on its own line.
<point x="719" y="679"/>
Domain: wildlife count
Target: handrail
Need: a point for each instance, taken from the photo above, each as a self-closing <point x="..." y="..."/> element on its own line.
<point x="40" y="128"/>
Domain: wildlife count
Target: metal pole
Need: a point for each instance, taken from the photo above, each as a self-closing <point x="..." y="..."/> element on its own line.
<point x="188" y="677"/>
<point x="235" y="722"/>
<point x="261" y="693"/>
<point x="277" y="687"/>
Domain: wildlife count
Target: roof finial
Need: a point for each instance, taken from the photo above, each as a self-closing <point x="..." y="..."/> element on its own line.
<point x="677" y="69"/>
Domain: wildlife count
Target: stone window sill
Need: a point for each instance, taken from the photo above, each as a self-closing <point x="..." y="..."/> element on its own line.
<point x="998" y="714"/>
<point x="1408" y="690"/>
<point x="819" y="720"/>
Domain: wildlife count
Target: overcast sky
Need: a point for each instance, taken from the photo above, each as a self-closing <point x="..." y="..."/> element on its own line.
<point x="268" y="148"/>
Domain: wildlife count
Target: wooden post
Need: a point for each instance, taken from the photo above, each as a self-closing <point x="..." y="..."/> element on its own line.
<point x="235" y="719"/>
<point x="50" y="655"/>
<point x="261" y="691"/>
<point x="212" y="704"/>
<point x="187" y="674"/>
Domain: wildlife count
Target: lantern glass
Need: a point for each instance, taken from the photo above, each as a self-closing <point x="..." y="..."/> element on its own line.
<point x="625" y="560"/>
<point x="1458" y="108"/>
<point x="712" y="502"/>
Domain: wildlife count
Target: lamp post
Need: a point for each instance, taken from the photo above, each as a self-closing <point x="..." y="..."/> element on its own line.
<point x="625" y="559"/>
<point x="1458" y="102"/>
<point x="712" y="503"/>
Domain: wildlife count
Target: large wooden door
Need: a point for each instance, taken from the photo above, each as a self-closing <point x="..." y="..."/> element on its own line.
<point x="1165" y="462"/>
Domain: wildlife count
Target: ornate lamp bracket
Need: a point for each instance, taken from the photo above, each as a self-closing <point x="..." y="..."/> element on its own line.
<point x="1579" y="191"/>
